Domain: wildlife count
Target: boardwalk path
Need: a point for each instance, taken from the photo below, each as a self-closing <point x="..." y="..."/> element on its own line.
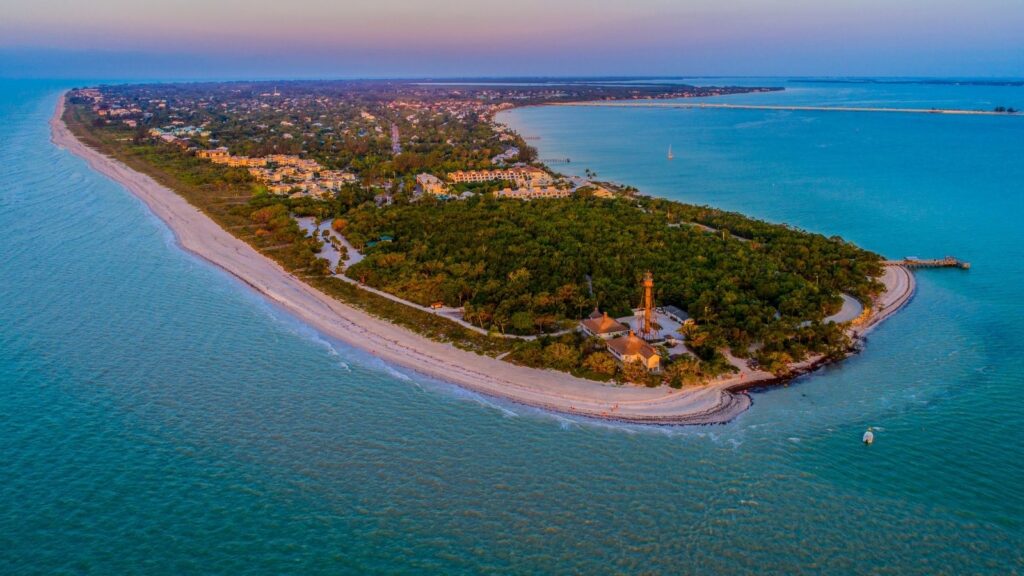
<point x="353" y="256"/>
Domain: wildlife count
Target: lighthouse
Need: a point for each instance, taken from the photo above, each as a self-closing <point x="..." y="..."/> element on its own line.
<point x="647" y="307"/>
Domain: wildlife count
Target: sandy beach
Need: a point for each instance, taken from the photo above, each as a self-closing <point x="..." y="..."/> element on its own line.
<point x="717" y="402"/>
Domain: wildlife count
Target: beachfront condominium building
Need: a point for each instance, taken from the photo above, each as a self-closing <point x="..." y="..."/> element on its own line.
<point x="218" y="155"/>
<point x="522" y="176"/>
<point x="294" y="162"/>
<point x="430" y="184"/>
<point x="534" y="193"/>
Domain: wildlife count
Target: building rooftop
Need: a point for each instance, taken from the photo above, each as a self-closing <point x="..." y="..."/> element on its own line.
<point x="677" y="312"/>
<point x="604" y="324"/>
<point x="426" y="178"/>
<point x="632" y="345"/>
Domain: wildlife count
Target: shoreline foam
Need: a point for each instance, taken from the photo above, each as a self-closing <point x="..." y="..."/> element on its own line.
<point x="713" y="403"/>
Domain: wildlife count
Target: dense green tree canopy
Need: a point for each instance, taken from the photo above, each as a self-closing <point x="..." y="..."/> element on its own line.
<point x="529" y="266"/>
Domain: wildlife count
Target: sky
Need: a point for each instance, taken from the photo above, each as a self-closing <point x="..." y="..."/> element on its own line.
<point x="449" y="38"/>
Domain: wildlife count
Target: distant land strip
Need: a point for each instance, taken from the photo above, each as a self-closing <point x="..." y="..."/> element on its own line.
<point x="635" y="104"/>
<point x="919" y="81"/>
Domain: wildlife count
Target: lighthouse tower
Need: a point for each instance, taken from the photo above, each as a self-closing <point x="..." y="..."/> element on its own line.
<point x="647" y="306"/>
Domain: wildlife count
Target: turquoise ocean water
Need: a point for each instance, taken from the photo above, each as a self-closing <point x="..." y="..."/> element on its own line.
<point x="157" y="416"/>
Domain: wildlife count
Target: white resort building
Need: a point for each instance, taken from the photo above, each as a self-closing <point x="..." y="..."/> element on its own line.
<point x="523" y="176"/>
<point x="534" y="193"/>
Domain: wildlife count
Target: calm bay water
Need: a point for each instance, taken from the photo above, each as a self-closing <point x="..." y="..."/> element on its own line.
<point x="157" y="416"/>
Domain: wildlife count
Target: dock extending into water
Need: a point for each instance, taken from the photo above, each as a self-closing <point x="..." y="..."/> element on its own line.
<point x="947" y="262"/>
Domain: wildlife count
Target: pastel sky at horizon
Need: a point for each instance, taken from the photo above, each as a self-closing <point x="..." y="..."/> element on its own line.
<point x="360" y="38"/>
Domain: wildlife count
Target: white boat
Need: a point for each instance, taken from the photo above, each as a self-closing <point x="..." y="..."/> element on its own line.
<point x="670" y="154"/>
<point x="869" y="436"/>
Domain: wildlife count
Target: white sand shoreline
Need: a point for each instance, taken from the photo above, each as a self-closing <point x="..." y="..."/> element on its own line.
<point x="717" y="402"/>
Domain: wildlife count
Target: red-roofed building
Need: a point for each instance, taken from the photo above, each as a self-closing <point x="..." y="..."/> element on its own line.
<point x="632" y="348"/>
<point x="603" y="326"/>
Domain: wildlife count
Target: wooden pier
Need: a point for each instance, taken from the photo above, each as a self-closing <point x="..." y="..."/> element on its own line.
<point x="947" y="262"/>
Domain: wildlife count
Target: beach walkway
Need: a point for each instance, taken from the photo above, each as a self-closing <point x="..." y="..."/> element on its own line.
<point x="353" y="256"/>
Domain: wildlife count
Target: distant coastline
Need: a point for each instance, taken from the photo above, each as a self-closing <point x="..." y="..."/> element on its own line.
<point x="788" y="108"/>
<point x="716" y="402"/>
<point x="921" y="81"/>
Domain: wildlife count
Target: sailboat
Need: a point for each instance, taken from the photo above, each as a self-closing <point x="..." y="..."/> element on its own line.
<point x="670" y="154"/>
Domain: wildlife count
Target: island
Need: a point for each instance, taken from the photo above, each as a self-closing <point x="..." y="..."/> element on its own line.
<point x="401" y="218"/>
